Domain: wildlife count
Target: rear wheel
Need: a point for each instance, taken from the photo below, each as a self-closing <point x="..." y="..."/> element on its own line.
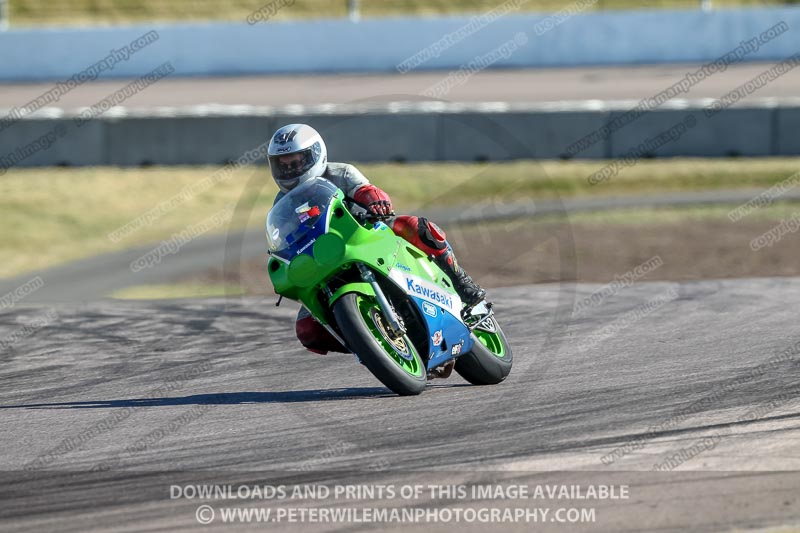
<point x="395" y="362"/>
<point x="489" y="362"/>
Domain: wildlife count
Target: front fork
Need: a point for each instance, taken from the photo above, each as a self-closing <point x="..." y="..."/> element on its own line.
<point x="395" y="326"/>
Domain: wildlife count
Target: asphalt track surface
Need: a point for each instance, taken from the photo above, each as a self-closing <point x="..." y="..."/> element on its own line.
<point x="105" y="405"/>
<point x="541" y="85"/>
<point x="218" y="390"/>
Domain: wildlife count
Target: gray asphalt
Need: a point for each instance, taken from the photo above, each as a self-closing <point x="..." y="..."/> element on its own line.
<point x="149" y="395"/>
<point x="539" y="85"/>
<point x="218" y="390"/>
<point x="95" y="277"/>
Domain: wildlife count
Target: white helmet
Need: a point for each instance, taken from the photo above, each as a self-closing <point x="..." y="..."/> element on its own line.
<point x="296" y="153"/>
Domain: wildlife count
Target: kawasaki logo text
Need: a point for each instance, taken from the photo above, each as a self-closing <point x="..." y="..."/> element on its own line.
<point x="430" y="294"/>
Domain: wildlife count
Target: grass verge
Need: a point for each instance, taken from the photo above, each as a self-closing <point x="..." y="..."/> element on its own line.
<point x="51" y="216"/>
<point x="31" y="12"/>
<point x="177" y="290"/>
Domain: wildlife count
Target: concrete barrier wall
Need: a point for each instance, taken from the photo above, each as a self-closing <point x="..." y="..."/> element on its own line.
<point x="381" y="45"/>
<point x="406" y="136"/>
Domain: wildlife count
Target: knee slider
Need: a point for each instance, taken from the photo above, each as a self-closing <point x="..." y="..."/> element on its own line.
<point x="432" y="235"/>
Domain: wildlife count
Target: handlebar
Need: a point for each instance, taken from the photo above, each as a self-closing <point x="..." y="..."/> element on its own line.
<point x="363" y="218"/>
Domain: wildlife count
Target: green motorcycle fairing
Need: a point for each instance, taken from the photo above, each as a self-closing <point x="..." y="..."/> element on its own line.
<point x="336" y="242"/>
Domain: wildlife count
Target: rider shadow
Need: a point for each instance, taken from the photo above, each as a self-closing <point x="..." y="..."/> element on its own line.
<point x="228" y="398"/>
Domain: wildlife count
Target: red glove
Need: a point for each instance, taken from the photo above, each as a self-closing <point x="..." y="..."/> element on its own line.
<point x="373" y="200"/>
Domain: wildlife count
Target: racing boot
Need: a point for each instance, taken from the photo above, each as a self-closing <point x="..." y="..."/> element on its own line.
<point x="470" y="292"/>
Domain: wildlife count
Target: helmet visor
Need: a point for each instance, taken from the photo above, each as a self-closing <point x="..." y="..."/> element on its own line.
<point x="287" y="168"/>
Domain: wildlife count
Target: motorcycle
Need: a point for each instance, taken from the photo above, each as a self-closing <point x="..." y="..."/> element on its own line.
<point x="383" y="298"/>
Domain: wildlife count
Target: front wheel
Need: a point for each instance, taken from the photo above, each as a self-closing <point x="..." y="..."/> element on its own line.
<point x="395" y="362"/>
<point x="489" y="362"/>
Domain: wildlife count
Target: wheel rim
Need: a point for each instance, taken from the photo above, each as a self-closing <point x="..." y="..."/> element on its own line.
<point x="401" y="351"/>
<point x="490" y="338"/>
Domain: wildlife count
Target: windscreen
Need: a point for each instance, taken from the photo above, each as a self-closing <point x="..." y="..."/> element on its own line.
<point x="294" y="215"/>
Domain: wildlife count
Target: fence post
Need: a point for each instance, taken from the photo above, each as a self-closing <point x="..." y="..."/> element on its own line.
<point x="353" y="10"/>
<point x="3" y="15"/>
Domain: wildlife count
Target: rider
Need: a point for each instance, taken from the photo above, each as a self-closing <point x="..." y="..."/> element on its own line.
<point x="297" y="153"/>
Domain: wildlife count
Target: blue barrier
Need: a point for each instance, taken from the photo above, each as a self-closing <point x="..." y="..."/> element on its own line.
<point x="380" y="45"/>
